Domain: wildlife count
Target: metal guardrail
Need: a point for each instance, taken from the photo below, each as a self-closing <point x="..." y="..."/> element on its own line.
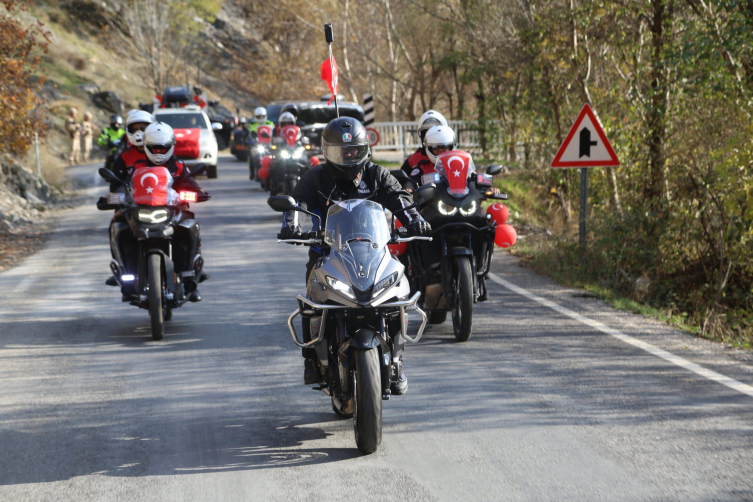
<point x="402" y="136"/>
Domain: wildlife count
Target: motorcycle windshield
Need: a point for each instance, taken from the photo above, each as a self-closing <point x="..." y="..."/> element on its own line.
<point x="356" y="220"/>
<point x="358" y="234"/>
<point x="456" y="166"/>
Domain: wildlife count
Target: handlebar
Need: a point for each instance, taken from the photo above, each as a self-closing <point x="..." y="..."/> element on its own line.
<point x="414" y="238"/>
<point x="308" y="242"/>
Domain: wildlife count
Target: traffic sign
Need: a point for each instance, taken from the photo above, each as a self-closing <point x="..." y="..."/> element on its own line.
<point x="586" y="145"/>
<point x="373" y="135"/>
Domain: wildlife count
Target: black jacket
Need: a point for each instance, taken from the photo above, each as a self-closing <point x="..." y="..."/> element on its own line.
<point x="318" y="189"/>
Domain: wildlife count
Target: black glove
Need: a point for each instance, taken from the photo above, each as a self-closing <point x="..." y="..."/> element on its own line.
<point x="292" y="232"/>
<point x="419" y="228"/>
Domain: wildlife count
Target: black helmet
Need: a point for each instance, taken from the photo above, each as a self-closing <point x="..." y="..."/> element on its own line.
<point x="345" y="146"/>
<point x="290" y="107"/>
<point x="116" y="119"/>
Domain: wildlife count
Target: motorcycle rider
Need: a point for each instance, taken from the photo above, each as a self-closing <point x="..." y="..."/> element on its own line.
<point x="159" y="146"/>
<point x="260" y="118"/>
<point x="419" y="159"/>
<point x="136" y="124"/>
<point x="111" y="136"/>
<point x="347" y="173"/>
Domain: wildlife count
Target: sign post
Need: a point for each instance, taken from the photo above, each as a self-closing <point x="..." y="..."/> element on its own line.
<point x="590" y="149"/>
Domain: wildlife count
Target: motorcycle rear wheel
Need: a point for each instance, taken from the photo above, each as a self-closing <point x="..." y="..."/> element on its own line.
<point x="155" y="297"/>
<point x="462" y="303"/>
<point x="367" y="413"/>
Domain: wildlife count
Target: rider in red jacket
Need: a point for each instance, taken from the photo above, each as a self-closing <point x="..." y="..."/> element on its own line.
<point x="418" y="163"/>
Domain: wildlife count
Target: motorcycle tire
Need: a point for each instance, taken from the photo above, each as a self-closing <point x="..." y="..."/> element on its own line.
<point x="168" y="314"/>
<point x="291" y="186"/>
<point x="212" y="171"/>
<point x="462" y="308"/>
<point x="155" y="297"/>
<point x="437" y="316"/>
<point x="367" y="413"/>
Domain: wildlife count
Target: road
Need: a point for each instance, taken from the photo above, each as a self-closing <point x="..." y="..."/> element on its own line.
<point x="538" y="405"/>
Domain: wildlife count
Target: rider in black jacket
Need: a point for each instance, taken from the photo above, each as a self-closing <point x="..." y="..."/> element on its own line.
<point x="346" y="174"/>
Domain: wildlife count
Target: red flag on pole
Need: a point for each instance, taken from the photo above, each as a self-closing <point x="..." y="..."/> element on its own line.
<point x="330" y="75"/>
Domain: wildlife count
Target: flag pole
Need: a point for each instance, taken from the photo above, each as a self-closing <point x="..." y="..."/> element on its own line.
<point x="330" y="37"/>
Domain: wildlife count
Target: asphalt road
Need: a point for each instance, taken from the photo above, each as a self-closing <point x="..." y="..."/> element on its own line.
<point x="538" y="405"/>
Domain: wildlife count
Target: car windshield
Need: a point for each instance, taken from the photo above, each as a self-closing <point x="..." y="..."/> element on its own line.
<point x="356" y="220"/>
<point x="324" y="114"/>
<point x="183" y="120"/>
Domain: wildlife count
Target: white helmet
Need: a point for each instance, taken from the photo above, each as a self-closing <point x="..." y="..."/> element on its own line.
<point x="261" y="114"/>
<point x="159" y="142"/>
<point x="437" y="138"/>
<point x="427" y="121"/>
<point x="286" y="118"/>
<point x="136" y="136"/>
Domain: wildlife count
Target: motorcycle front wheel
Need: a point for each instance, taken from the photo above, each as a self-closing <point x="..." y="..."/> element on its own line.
<point x="367" y="413"/>
<point x="462" y="302"/>
<point x="155" y="297"/>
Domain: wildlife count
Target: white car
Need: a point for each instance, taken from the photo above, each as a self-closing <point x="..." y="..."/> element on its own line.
<point x="192" y="120"/>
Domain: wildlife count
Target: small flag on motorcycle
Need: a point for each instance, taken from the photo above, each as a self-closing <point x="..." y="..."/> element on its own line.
<point x="329" y="68"/>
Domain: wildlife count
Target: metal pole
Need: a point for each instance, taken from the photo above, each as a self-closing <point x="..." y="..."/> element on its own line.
<point x="583" y="204"/>
<point x="39" y="161"/>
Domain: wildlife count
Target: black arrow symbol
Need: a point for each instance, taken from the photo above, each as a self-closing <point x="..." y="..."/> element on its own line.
<point x="585" y="143"/>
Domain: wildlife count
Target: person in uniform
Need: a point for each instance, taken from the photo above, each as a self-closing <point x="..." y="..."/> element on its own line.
<point x="87" y="133"/>
<point x="73" y="129"/>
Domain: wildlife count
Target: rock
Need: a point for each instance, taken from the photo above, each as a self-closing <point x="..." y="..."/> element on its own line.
<point x="642" y="285"/>
<point x="89" y="88"/>
<point x="49" y="92"/>
<point x="108" y="100"/>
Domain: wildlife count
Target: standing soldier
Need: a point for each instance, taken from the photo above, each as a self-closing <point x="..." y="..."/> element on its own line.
<point x="87" y="133"/>
<point x="73" y="129"/>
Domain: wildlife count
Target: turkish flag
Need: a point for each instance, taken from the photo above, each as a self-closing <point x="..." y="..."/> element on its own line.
<point x="150" y="185"/>
<point x="330" y="75"/>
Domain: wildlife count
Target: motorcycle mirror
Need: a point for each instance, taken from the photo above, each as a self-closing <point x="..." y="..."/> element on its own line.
<point x="216" y="126"/>
<point x="494" y="169"/>
<point x="282" y="203"/>
<point x="109" y="175"/>
<point x="425" y="193"/>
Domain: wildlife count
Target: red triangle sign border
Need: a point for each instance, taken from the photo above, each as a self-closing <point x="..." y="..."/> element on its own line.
<point x="558" y="162"/>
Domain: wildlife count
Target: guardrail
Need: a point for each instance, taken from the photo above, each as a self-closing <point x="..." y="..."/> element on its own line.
<point x="402" y="136"/>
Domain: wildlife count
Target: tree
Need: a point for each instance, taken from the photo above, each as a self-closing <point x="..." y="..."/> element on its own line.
<point x="19" y="60"/>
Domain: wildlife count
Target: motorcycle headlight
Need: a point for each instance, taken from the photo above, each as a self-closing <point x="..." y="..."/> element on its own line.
<point x="384" y="285"/>
<point x="446" y="209"/>
<point x="298" y="153"/>
<point x="470" y="209"/>
<point x="259" y="149"/>
<point x="156" y="216"/>
<point x="340" y="287"/>
<point x="285" y="154"/>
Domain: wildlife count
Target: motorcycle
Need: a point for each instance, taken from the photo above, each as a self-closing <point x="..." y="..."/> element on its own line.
<point x="240" y="143"/>
<point x="143" y="234"/>
<point x="261" y="150"/>
<point x="451" y="271"/>
<point x="290" y="161"/>
<point x="357" y="302"/>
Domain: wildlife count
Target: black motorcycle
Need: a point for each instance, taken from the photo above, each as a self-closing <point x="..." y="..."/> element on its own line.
<point x="146" y="241"/>
<point x="240" y="143"/>
<point x="290" y="162"/>
<point x="450" y="272"/>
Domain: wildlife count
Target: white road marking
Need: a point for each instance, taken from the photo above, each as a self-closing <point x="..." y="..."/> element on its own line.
<point x="667" y="356"/>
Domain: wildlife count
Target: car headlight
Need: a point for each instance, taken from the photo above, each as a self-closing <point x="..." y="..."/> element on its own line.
<point x="445" y="209"/>
<point x="285" y="154"/>
<point x="259" y="149"/>
<point x="384" y="285"/>
<point x="340" y="287"/>
<point x="470" y="209"/>
<point x="157" y="216"/>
